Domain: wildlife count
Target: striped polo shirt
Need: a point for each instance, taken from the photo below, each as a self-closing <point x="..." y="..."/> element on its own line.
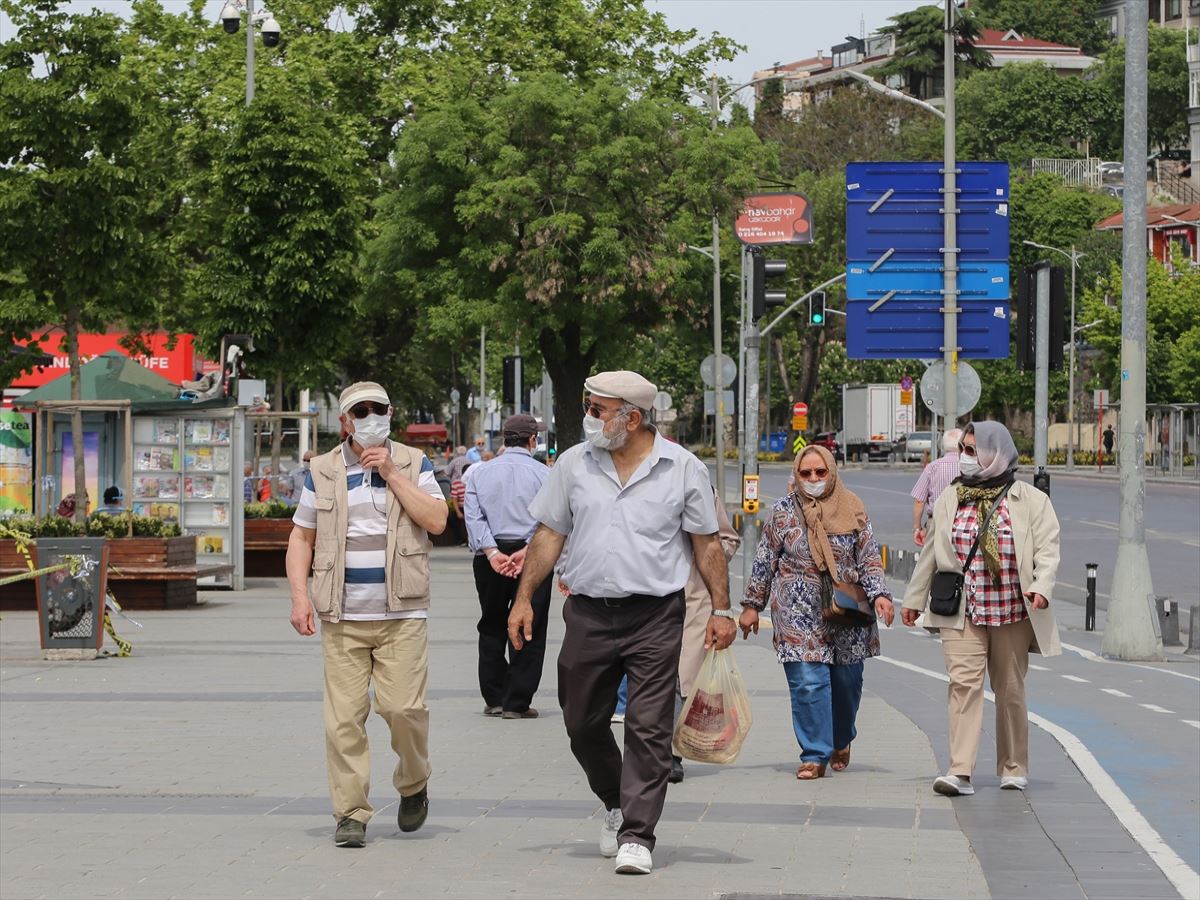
<point x="366" y="536"/>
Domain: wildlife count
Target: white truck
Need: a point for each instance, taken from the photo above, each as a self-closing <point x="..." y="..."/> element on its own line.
<point x="872" y="420"/>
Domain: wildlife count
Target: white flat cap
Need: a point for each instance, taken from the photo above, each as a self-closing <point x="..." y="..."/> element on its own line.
<point x="622" y="385"/>
<point x="360" y="391"/>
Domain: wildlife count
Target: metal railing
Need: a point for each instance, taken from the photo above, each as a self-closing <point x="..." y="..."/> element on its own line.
<point x="1083" y="172"/>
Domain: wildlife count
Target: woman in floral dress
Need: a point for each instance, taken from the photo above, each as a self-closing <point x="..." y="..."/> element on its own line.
<point x="818" y="528"/>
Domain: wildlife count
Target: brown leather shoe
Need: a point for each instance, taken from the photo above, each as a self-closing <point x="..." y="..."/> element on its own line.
<point x="840" y="759"/>
<point x="530" y="713"/>
<point x="809" y="771"/>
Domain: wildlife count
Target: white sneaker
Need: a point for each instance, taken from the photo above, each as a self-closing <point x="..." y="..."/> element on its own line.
<point x="611" y="827"/>
<point x="633" y="859"/>
<point x="1014" y="783"/>
<point x="953" y="786"/>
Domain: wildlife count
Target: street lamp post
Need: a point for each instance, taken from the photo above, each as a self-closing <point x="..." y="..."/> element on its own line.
<point x="1073" y="256"/>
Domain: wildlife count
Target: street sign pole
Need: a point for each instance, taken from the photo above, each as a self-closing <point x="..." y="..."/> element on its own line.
<point x="1131" y="629"/>
<point x="949" y="232"/>
<point x="1041" y="375"/>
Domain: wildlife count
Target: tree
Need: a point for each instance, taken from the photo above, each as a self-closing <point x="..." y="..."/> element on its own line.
<point x="560" y="212"/>
<point x="80" y="183"/>
<point x="1024" y="110"/>
<point x="920" y="52"/>
<point x="1074" y="23"/>
<point x="1047" y="211"/>
<point x="1172" y="331"/>
<point x="1166" y="91"/>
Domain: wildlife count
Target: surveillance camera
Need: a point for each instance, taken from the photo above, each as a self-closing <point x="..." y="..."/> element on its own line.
<point x="230" y="18"/>
<point x="270" y="31"/>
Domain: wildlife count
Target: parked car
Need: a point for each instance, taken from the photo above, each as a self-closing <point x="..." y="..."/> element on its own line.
<point x="1111" y="172"/>
<point x="913" y="446"/>
<point x="829" y="440"/>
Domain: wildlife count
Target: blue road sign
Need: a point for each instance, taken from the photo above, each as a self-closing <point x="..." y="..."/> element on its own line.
<point x="976" y="280"/>
<point x="894" y="250"/>
<point x="912" y="329"/>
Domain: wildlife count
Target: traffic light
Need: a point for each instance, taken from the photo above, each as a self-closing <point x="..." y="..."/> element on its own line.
<point x="816" y="309"/>
<point x="512" y="379"/>
<point x="1026" y="327"/>
<point x="761" y="270"/>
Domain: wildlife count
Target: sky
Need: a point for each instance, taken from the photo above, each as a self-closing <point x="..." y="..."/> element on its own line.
<point x="780" y="30"/>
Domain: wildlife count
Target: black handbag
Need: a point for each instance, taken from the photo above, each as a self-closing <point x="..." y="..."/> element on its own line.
<point x="945" y="591"/>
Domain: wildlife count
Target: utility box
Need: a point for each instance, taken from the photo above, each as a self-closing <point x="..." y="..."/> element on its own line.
<point x="70" y="600"/>
<point x="1168" y="621"/>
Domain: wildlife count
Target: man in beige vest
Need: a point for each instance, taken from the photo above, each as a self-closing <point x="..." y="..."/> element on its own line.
<point x="361" y="529"/>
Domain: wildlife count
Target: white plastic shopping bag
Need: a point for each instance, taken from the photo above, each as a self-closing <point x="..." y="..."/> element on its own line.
<point x="716" y="718"/>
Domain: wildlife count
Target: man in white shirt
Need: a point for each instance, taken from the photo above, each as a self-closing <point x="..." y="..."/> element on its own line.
<point x="632" y="509"/>
<point x="361" y="528"/>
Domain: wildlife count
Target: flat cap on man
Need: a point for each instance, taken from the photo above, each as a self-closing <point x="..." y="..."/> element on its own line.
<point x="622" y="385"/>
<point x="522" y="425"/>
<point x="360" y="391"/>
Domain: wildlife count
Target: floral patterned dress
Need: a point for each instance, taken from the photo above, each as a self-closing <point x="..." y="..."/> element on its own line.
<point x="785" y="575"/>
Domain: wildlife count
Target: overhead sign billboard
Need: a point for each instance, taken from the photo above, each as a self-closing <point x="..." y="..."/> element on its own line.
<point x="774" y="218"/>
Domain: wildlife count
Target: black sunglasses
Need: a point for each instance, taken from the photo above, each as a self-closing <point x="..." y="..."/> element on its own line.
<point x="364" y="409"/>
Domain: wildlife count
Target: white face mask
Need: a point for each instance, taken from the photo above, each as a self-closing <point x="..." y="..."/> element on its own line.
<point x="593" y="432"/>
<point x="814" y="488"/>
<point x="372" y="430"/>
<point x="969" y="465"/>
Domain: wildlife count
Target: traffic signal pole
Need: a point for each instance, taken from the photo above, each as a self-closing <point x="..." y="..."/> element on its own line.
<point x="949" y="231"/>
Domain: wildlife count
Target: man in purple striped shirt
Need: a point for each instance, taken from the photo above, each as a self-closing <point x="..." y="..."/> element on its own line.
<point x="935" y="478"/>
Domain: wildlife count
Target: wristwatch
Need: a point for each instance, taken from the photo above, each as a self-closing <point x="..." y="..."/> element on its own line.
<point x="724" y="613"/>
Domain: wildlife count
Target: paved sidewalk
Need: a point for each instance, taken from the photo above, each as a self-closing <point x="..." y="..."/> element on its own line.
<point x="196" y="769"/>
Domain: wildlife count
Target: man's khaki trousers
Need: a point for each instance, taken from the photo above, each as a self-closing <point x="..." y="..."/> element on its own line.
<point x="393" y="654"/>
<point x="1003" y="651"/>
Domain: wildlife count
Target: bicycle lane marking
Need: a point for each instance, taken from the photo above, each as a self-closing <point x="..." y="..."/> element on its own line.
<point x="1185" y="879"/>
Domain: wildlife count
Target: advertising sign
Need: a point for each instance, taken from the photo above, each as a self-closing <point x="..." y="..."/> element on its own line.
<point x="774" y="219"/>
<point x="175" y="363"/>
<point x="16" y="463"/>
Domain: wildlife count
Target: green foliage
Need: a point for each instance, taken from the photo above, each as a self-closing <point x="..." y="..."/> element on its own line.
<point x="99" y="525"/>
<point x="272" y="509"/>
<point x="1046" y="211"/>
<point x="1172" y="331"/>
<point x="1023" y="110"/>
<point x="1071" y="22"/>
<point x="1166" y="92"/>
<point x="920" y="47"/>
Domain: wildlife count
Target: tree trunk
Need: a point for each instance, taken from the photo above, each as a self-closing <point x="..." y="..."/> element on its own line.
<point x="569" y="366"/>
<point x="72" y="342"/>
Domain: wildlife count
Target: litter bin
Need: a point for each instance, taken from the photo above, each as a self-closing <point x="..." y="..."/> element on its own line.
<point x="70" y="600"/>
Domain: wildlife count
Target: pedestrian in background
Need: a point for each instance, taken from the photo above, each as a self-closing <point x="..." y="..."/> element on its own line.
<point x="935" y="478"/>
<point x="475" y="454"/>
<point x="1109" y="438"/>
<point x="1004" y="609"/>
<point x="499" y="526"/>
<point x="362" y="530"/>
<point x="819" y="530"/>
<point x="633" y="510"/>
<point x="457" y="464"/>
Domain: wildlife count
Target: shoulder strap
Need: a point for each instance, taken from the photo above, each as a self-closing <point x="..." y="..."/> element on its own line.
<point x="983" y="525"/>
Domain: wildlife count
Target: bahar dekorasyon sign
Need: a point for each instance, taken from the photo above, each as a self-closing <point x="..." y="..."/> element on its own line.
<point x="772" y="218"/>
<point x="894" y="268"/>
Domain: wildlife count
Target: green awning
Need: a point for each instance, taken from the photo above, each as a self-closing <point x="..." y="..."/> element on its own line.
<point x="110" y="376"/>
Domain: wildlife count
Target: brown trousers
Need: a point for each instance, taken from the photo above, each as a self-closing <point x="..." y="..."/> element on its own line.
<point x="1003" y="651"/>
<point x="602" y="643"/>
<point x="393" y="655"/>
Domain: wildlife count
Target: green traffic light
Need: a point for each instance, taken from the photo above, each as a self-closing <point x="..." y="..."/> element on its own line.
<point x="818" y="319"/>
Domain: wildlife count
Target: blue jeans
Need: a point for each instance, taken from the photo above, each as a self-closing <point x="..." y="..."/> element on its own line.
<point x="622" y="695"/>
<point x="825" y="702"/>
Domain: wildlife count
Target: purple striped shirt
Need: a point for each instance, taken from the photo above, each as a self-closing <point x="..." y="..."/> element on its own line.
<point x="936" y="477"/>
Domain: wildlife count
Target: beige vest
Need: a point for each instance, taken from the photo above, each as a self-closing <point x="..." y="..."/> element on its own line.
<point x="406" y="576"/>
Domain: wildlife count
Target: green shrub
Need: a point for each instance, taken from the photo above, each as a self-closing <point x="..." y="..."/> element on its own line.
<point x="272" y="509"/>
<point x="99" y="525"/>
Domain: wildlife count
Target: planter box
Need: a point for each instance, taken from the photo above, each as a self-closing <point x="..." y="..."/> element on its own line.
<point x="264" y="547"/>
<point x="151" y="573"/>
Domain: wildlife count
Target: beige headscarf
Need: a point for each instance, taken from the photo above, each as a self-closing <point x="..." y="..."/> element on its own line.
<point x="836" y="511"/>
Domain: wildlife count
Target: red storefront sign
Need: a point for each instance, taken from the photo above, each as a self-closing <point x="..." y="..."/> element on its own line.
<point x="174" y="364"/>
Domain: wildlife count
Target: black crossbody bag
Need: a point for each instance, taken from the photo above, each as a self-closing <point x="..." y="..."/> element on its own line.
<point x="945" y="592"/>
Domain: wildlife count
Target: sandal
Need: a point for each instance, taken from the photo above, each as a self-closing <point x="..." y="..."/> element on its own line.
<point x="840" y="759"/>
<point x="809" y="771"/>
